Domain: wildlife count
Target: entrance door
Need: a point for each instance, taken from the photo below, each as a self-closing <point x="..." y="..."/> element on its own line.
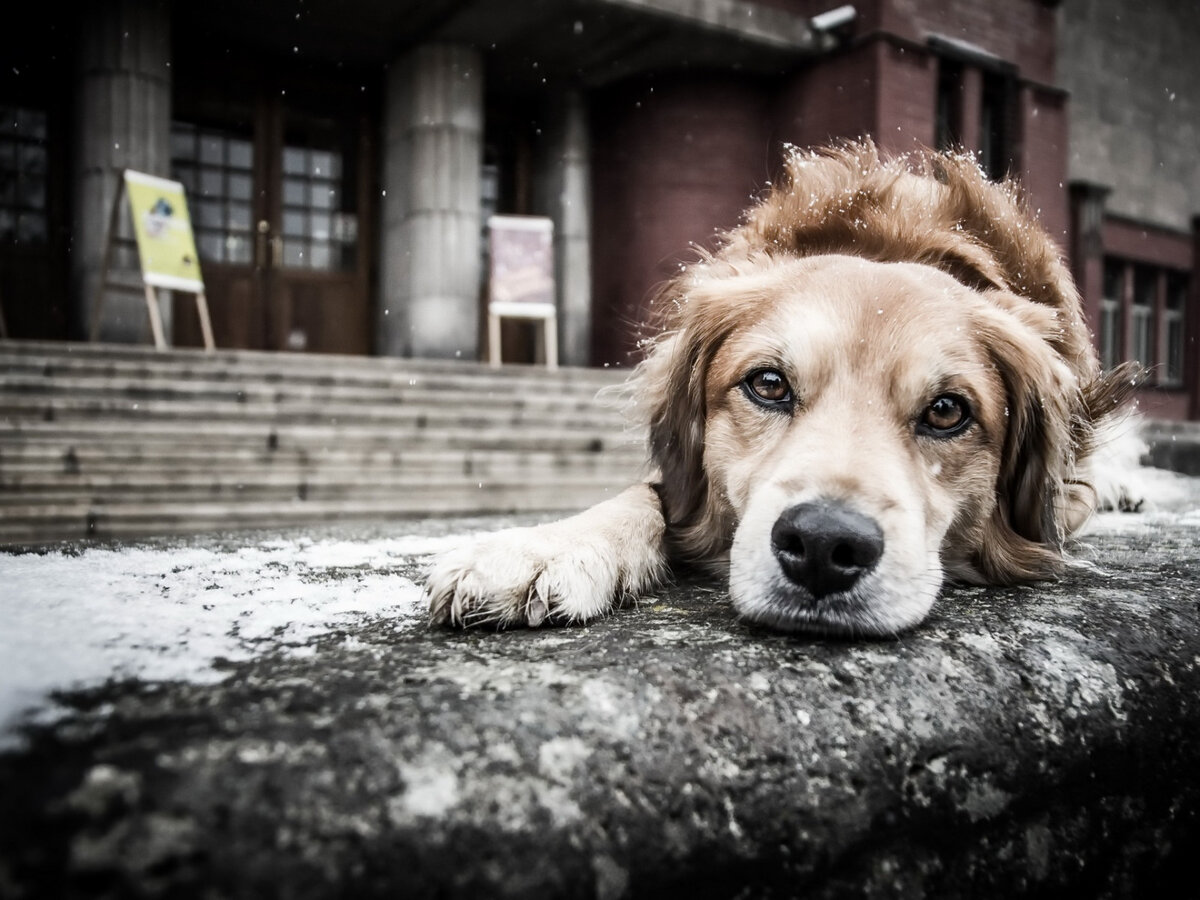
<point x="278" y="196"/>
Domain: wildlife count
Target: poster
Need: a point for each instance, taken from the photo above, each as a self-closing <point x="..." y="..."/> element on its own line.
<point x="521" y="277"/>
<point x="164" y="232"/>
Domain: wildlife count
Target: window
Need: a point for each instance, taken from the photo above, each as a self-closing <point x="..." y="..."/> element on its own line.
<point x="1141" y="315"/>
<point x="315" y="231"/>
<point x="949" y="104"/>
<point x="996" y="125"/>
<point x="1151" y="302"/>
<point x="976" y="105"/>
<point x="23" y="161"/>
<point x="1111" y="337"/>
<point x="216" y="169"/>
<point x="1172" y="326"/>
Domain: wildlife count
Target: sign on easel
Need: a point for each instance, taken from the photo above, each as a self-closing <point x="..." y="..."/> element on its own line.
<point x="166" y="249"/>
<point x="521" y="279"/>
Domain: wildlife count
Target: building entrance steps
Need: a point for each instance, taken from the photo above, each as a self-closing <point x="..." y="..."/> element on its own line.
<point x="118" y="441"/>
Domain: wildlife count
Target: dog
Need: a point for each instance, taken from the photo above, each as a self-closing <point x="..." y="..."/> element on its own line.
<point x="882" y="379"/>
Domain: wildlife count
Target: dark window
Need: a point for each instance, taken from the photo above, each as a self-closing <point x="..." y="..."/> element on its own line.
<point x="23" y="164"/>
<point x="216" y="169"/>
<point x="1173" y="325"/>
<point x="316" y="232"/>
<point x="1111" y="351"/>
<point x="1156" y="329"/>
<point x="1141" y="315"/>
<point x="996" y="126"/>
<point x="992" y="98"/>
<point x="949" y="104"/>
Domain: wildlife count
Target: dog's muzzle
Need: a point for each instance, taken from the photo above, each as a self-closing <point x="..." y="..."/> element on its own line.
<point x="825" y="547"/>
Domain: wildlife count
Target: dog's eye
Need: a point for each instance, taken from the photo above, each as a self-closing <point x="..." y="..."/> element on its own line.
<point x="768" y="387"/>
<point x="946" y="416"/>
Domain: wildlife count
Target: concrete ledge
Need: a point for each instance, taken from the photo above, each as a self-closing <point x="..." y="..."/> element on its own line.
<point x="1031" y="741"/>
<point x="1174" y="445"/>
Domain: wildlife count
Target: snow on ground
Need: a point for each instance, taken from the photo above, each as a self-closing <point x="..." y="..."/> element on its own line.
<point x="74" y="620"/>
<point x="1167" y="498"/>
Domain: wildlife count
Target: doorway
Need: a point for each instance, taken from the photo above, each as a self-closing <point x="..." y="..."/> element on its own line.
<point x="278" y="190"/>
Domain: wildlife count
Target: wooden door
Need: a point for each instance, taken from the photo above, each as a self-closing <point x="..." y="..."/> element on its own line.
<point x="317" y="284"/>
<point x="278" y="191"/>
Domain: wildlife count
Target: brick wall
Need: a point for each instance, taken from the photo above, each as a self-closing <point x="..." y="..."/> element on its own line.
<point x="836" y="98"/>
<point x="673" y="161"/>
<point x="1042" y="154"/>
<point x="1019" y="31"/>
<point x="907" y="87"/>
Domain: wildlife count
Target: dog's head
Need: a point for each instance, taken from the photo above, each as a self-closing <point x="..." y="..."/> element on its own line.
<point x="882" y="378"/>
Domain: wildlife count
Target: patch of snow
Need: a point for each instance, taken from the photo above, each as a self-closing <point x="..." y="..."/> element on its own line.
<point x="76" y="620"/>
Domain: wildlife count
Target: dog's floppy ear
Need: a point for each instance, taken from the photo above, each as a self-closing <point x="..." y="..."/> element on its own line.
<point x="671" y="382"/>
<point x="1023" y="539"/>
<point x="1050" y="419"/>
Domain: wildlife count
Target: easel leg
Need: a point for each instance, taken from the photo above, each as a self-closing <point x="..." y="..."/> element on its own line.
<point x="205" y="321"/>
<point x="160" y="342"/>
<point x="494" y="340"/>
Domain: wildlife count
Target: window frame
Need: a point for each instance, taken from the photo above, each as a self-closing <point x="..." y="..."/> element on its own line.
<point x="1144" y="318"/>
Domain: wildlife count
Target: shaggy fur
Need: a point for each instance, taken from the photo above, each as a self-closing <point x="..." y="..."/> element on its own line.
<point x="879" y="293"/>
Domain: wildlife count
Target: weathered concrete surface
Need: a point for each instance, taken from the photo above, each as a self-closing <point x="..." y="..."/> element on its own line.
<point x="1024" y="742"/>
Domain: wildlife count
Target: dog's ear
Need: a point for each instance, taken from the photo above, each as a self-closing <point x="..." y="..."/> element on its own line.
<point x="1051" y="415"/>
<point x="1045" y="415"/>
<point x="671" y="382"/>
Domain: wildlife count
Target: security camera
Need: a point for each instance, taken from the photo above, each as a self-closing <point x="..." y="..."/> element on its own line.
<point x="834" y="18"/>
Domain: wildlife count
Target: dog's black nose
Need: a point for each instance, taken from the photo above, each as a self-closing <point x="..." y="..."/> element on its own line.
<point x="826" y="547"/>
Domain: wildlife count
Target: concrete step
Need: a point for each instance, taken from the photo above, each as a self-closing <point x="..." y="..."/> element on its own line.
<point x="141" y="517"/>
<point x="467" y="415"/>
<point x="19" y="464"/>
<point x="40" y="393"/>
<point x="50" y="359"/>
<point x="106" y="441"/>
<point x="1174" y="445"/>
<point x="305" y="437"/>
<point x="275" y="481"/>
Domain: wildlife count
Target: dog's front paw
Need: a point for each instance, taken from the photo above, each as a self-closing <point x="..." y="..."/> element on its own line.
<point x="523" y="576"/>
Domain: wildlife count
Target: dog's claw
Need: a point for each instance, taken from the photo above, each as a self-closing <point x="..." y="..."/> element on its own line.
<point x="536" y="611"/>
<point x="500" y="581"/>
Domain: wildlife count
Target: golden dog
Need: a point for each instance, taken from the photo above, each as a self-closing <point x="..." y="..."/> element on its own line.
<point x="882" y="378"/>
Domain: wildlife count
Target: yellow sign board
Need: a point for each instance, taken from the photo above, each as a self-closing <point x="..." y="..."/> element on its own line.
<point x="164" y="232"/>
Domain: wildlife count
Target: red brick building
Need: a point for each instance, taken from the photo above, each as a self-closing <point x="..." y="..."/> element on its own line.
<point x="341" y="158"/>
<point x="692" y="148"/>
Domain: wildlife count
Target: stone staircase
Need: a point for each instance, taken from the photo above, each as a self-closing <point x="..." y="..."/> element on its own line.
<point x="117" y="441"/>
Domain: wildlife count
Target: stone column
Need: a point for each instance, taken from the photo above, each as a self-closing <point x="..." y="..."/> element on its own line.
<point x="563" y="192"/>
<point x="433" y="152"/>
<point x="123" y="121"/>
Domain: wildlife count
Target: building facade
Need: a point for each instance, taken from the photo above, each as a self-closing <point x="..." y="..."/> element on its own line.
<point x="1132" y="72"/>
<point x="341" y="159"/>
